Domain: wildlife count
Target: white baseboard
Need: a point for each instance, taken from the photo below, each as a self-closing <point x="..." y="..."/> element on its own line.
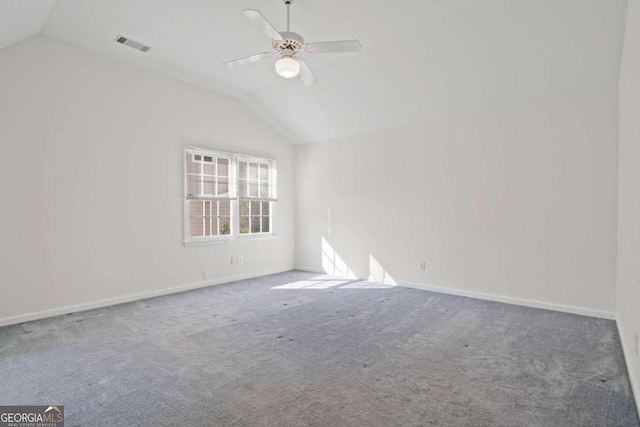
<point x="12" y="320"/>
<point x="497" y="298"/>
<point x="628" y="353"/>
<point x="515" y="301"/>
<point x="311" y="270"/>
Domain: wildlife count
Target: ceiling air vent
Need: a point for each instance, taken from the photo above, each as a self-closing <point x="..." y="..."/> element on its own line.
<point x="132" y="43"/>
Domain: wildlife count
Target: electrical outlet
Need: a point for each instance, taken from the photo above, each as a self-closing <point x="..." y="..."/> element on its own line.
<point x="233" y="260"/>
<point x="240" y="259"/>
<point x="637" y="345"/>
<point x="205" y="275"/>
<point x="423" y="266"/>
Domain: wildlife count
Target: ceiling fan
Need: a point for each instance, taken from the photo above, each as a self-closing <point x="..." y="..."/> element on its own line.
<point x="288" y="45"/>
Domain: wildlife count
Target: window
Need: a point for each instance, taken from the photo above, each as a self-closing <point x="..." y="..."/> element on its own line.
<point x="228" y="195"/>
<point x="256" y="195"/>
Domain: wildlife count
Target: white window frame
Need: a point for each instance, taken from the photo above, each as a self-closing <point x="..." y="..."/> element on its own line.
<point x="271" y="198"/>
<point x="234" y="196"/>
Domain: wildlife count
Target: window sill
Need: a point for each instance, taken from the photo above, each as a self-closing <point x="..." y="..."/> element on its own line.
<point x="236" y="239"/>
<point x="256" y="237"/>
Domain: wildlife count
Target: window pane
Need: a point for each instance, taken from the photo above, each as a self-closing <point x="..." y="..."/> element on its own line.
<point x="207" y="209"/>
<point x="223" y="167"/>
<point x="265" y="208"/>
<point x="207" y="225"/>
<point x="223" y="187"/>
<point x="194" y="184"/>
<point x="265" y="224"/>
<point x="255" y="208"/>
<point x="244" y="208"/>
<point x="264" y="189"/>
<point x="208" y="159"/>
<point x="264" y="172"/>
<point x="196" y="207"/>
<point x="208" y="168"/>
<point x="194" y="171"/>
<point x="243" y="170"/>
<point x="197" y="157"/>
<point x="242" y="188"/>
<point x="214" y="226"/>
<point x="193" y="167"/>
<point x="255" y="224"/>
<point x="208" y="186"/>
<point x="225" y="225"/>
<point x="244" y="225"/>
<point x="253" y="189"/>
<point x="196" y="227"/>
<point x="225" y="207"/>
<point x="253" y="171"/>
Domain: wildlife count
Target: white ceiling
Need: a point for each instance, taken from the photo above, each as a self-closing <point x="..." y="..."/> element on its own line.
<point x="420" y="57"/>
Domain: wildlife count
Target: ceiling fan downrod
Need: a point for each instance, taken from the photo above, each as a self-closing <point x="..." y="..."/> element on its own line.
<point x="288" y="3"/>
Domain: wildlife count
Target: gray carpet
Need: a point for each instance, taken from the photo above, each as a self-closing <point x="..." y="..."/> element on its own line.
<point x="245" y="354"/>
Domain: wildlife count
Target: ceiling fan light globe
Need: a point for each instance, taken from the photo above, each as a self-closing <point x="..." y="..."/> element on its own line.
<point x="287" y="67"/>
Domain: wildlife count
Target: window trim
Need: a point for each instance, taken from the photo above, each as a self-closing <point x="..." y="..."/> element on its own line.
<point x="234" y="197"/>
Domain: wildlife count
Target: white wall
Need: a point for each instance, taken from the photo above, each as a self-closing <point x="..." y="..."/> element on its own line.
<point x="515" y="202"/>
<point x="628" y="286"/>
<point x="91" y="178"/>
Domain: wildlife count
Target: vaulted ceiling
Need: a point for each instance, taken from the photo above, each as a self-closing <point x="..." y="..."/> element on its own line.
<point x="420" y="58"/>
<point x="20" y="19"/>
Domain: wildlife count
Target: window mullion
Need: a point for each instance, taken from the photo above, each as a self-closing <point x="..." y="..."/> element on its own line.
<point x="204" y="224"/>
<point x="211" y="217"/>
<point x="201" y="177"/>
<point x="215" y="176"/>
<point x="235" y="205"/>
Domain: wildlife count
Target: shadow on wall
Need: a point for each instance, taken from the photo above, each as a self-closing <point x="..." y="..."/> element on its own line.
<point x="339" y="275"/>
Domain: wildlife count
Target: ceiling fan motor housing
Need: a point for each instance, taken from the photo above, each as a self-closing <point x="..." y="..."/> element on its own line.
<point x="291" y="41"/>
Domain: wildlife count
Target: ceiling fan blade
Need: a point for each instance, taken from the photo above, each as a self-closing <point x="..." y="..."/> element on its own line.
<point x="338" y="46"/>
<point x="306" y="75"/>
<point x="258" y="19"/>
<point x="248" y="59"/>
